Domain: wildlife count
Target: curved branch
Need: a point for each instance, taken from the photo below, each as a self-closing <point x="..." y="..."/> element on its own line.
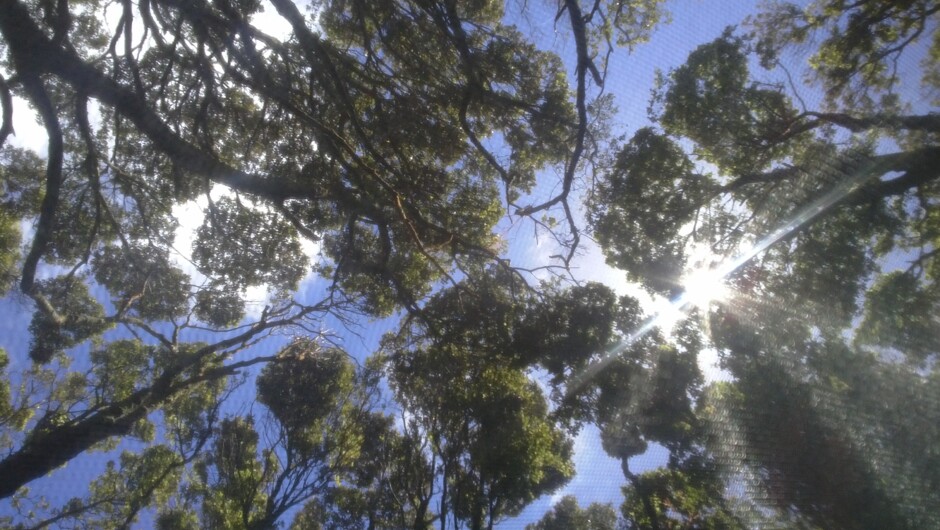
<point x="50" y="201"/>
<point x="585" y="64"/>
<point x="918" y="167"/>
<point x="642" y="491"/>
<point x="6" y="100"/>
<point x="924" y="122"/>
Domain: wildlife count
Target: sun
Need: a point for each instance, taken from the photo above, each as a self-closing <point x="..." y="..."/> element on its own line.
<point x="703" y="286"/>
<point x="704" y="281"/>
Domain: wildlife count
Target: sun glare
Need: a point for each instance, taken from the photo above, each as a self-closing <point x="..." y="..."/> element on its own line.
<point x="700" y="287"/>
<point x="704" y="286"/>
<point x="704" y="282"/>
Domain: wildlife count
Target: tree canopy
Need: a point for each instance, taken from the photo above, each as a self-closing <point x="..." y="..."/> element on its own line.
<point x="220" y="207"/>
<point x="826" y="213"/>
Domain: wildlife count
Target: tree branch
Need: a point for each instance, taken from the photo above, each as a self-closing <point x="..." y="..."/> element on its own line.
<point x="43" y="452"/>
<point x="6" y="100"/>
<point x="35" y="52"/>
<point x="50" y="201"/>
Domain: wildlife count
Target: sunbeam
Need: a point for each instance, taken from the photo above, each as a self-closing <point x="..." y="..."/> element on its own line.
<point x="705" y="285"/>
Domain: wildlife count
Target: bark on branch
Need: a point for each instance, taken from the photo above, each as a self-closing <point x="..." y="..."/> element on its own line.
<point x="43" y="452"/>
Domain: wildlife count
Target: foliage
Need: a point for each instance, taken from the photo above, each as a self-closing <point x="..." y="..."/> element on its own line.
<point x="566" y="514"/>
<point x="390" y="154"/>
<point x="821" y="207"/>
<point x="688" y="498"/>
<point x="859" y="46"/>
<point x="647" y="241"/>
<point x="312" y="439"/>
<point x="821" y="429"/>
<point x="304" y="386"/>
<point x="9" y="250"/>
<point x="386" y="488"/>
<point x="897" y="315"/>
<point x="75" y="317"/>
<point x="243" y="247"/>
<point x="398" y="140"/>
<point x="497" y="446"/>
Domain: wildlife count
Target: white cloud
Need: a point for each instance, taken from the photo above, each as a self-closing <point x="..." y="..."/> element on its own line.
<point x="28" y="131"/>
<point x="592" y="266"/>
<point x="708" y="364"/>
<point x="272" y="23"/>
<point x="27" y="231"/>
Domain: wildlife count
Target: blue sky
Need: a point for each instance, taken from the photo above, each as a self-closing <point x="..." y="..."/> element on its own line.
<point x="630" y="79"/>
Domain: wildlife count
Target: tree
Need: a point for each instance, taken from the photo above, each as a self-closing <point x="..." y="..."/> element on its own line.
<point x="134" y="482"/>
<point x="647" y="391"/>
<point x="567" y="514"/>
<point x="462" y="385"/>
<point x="820" y="422"/>
<point x="173" y="101"/>
<point x="387" y="488"/>
<point x="485" y="335"/>
<point x="394" y="137"/>
<point x="680" y="499"/>
<point x="314" y="434"/>
<point x="827" y="217"/>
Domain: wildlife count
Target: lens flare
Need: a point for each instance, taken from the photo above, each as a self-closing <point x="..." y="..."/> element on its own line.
<point x="703" y="286"/>
<point x="706" y="283"/>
